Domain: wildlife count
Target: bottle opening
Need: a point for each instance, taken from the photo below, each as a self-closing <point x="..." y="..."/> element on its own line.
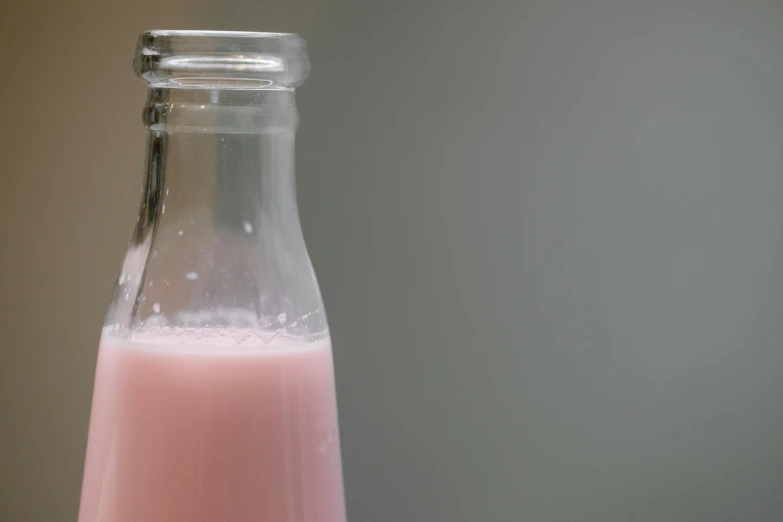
<point x="221" y="60"/>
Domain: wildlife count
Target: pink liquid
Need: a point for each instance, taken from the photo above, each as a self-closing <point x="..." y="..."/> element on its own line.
<point x="217" y="433"/>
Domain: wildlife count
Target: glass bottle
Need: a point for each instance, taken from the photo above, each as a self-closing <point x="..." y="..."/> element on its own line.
<point x="214" y="394"/>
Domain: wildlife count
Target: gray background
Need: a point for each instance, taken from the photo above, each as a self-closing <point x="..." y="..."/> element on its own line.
<point x="548" y="235"/>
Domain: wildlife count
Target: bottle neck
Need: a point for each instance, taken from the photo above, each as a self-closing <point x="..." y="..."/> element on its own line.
<point x="227" y="155"/>
<point x="218" y="235"/>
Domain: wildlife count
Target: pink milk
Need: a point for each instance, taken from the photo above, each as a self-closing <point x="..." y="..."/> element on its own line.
<point x="184" y="430"/>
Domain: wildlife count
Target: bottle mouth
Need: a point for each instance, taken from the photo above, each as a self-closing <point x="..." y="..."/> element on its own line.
<point x="221" y="60"/>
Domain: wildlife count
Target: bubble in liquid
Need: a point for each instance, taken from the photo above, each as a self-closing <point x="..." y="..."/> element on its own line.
<point x="191" y="276"/>
<point x="180" y="232"/>
<point x="156" y="308"/>
<point x="149" y="284"/>
<point x="282" y="318"/>
<point x="248" y="227"/>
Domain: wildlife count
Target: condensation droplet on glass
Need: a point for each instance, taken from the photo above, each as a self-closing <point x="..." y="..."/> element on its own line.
<point x="248" y="227"/>
<point x="180" y="232"/>
<point x="156" y="308"/>
<point x="192" y="276"/>
<point x="282" y="318"/>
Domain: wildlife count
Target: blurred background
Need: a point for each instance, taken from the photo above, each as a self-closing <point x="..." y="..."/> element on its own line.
<point x="548" y="235"/>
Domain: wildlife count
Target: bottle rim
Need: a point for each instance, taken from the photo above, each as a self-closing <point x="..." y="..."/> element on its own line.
<point x="221" y="59"/>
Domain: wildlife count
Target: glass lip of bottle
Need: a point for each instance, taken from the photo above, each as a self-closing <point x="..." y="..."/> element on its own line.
<point x="221" y="60"/>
